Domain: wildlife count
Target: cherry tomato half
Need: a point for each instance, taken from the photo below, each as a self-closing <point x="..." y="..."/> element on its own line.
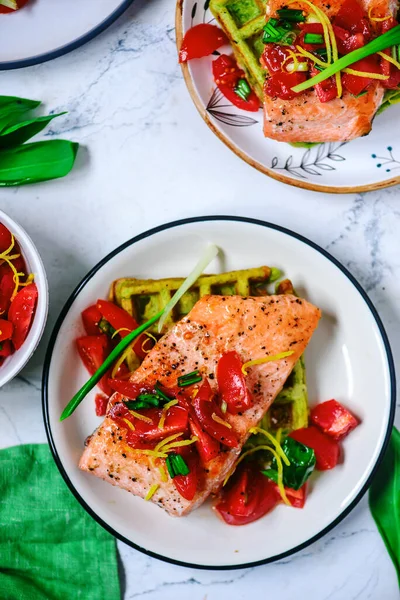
<point x="232" y="384"/>
<point x="21" y="313"/>
<point x="201" y="40"/>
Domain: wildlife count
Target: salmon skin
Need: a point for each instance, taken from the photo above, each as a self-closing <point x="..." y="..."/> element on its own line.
<point x="305" y="118"/>
<point x="254" y="327"/>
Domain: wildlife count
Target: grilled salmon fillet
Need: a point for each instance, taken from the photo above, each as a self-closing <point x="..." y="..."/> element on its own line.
<point x="254" y="327"/>
<point x="305" y="118"/>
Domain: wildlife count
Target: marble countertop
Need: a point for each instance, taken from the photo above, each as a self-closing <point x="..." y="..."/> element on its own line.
<point x="145" y="152"/>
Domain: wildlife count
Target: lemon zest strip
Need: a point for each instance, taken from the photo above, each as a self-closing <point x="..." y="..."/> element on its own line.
<point x="116" y="332"/>
<point x="130" y="425"/>
<point x="377" y="19"/>
<point x="180" y="444"/>
<point x="140" y="417"/>
<point x="366" y="74"/>
<point x="260" y="361"/>
<point x="218" y="419"/>
<point x="164" y="413"/>
<point x="151" y="491"/>
<point x="390" y="59"/>
<point x="274" y="442"/>
<point x="163" y="473"/>
<point x="326" y="26"/>
<point x="166" y="440"/>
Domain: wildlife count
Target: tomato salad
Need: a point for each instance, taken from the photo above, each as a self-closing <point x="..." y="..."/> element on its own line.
<point x="18" y="296"/>
<point x="270" y="470"/>
<point x="10" y="6"/>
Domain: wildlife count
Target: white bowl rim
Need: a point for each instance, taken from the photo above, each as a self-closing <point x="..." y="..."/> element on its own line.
<point x="73" y="45"/>
<point x="178" y="223"/>
<point x="24" y="354"/>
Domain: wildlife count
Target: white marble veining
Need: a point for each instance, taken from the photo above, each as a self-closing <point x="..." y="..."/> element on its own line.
<point x="148" y="158"/>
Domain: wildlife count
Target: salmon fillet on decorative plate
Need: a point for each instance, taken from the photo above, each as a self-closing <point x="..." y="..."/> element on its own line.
<point x="307" y="118"/>
<point x="127" y="451"/>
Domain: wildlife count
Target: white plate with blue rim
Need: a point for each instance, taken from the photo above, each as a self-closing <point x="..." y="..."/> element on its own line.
<point x="44" y="29"/>
<point x="365" y="164"/>
<point x="349" y="343"/>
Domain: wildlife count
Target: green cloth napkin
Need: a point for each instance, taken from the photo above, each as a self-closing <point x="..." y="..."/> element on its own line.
<point x="50" y="548"/>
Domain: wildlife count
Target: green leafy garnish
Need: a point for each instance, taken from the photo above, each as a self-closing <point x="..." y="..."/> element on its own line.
<point x="22" y="163"/>
<point x="386" y="40"/>
<point x="302" y="463"/>
<point x="176" y="465"/>
<point x="143" y="401"/>
<point x="384" y="499"/>
<point x="40" y="161"/>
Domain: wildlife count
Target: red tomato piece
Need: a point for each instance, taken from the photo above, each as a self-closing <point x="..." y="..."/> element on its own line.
<point x="326" y="90"/>
<point x="311" y="28"/>
<point x="93" y="350"/>
<point x="5" y="9"/>
<point x="326" y="449"/>
<point x="6" y="349"/>
<point x="101" y="405"/>
<point x="204" y="408"/>
<point x="280" y="85"/>
<point x="21" y="313"/>
<point x="232" y="384"/>
<point x="247" y="497"/>
<point x="91" y="318"/>
<point x="6" y="330"/>
<point x="187" y="484"/>
<point x="5" y="238"/>
<point x="176" y="421"/>
<point x="124" y="323"/>
<point x="273" y="57"/>
<point x="6" y="288"/>
<point x="354" y="84"/>
<point x="201" y="40"/>
<point x="346" y="41"/>
<point x="226" y="76"/>
<point x="207" y="447"/>
<point x="353" y="17"/>
<point x="297" y="498"/>
<point x="333" y="419"/>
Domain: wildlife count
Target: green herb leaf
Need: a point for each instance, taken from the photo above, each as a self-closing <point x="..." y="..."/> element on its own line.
<point x="302" y="463"/>
<point x="176" y="465"/>
<point x="13" y="104"/>
<point x="386" y="40"/>
<point x="19" y="133"/>
<point x="384" y="499"/>
<point x="36" y="162"/>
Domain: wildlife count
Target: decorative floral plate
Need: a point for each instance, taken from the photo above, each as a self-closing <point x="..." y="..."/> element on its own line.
<point x="365" y="164"/>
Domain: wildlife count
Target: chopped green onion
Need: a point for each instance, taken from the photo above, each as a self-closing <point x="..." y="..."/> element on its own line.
<point x="313" y="38"/>
<point x="161" y="393"/>
<point x="149" y="402"/>
<point x="189" y="379"/>
<point x="275" y="34"/>
<point x="209" y="254"/>
<point x="242" y="89"/>
<point x="273" y="22"/>
<point x="176" y="465"/>
<point x="301" y="66"/>
<point x="288" y="38"/>
<point x="380" y="43"/>
<point x="291" y="14"/>
<point x="361" y="94"/>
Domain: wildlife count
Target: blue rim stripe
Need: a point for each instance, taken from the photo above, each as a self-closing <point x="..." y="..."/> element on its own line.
<point x="155" y="230"/>
<point x="41" y="58"/>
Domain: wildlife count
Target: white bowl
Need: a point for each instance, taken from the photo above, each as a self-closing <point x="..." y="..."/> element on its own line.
<point x="348" y="358"/>
<point x="13" y="365"/>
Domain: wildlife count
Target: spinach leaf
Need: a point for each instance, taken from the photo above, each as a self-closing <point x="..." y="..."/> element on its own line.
<point x="12" y="104"/>
<point x="40" y="161"/>
<point x="302" y="463"/>
<point x="384" y="499"/>
<point x="19" y="133"/>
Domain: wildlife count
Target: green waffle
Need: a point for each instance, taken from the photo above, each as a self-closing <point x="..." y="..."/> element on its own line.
<point x="143" y="298"/>
<point x="243" y="22"/>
